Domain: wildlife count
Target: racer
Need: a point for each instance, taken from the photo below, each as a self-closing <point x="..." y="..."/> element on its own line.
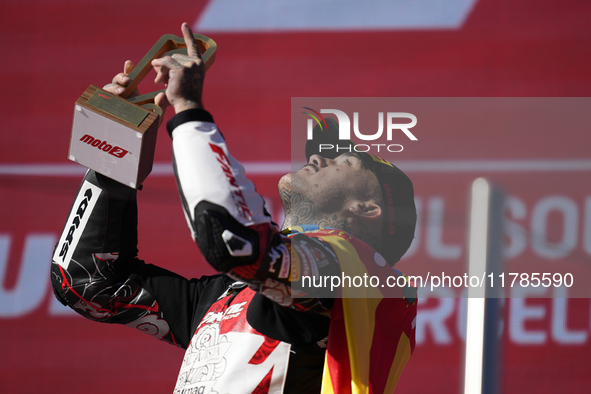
<point x="254" y="328"/>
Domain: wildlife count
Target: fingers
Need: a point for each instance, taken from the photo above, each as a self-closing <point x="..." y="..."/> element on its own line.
<point x="121" y="79"/>
<point x="118" y="85"/>
<point x="161" y="101"/>
<point x="192" y="47"/>
<point x="163" y="67"/>
<point x="184" y="59"/>
<point x="182" y="74"/>
<point x="166" y="61"/>
<point x="128" y="67"/>
<point x="113" y="88"/>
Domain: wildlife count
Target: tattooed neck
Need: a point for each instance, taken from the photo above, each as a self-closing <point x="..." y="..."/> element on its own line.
<point x="304" y="211"/>
<point x="299" y="211"/>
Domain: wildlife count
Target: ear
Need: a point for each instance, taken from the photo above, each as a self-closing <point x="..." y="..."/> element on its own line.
<point x="366" y="210"/>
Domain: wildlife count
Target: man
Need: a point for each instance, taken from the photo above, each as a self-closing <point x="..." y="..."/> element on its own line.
<point x="256" y="328"/>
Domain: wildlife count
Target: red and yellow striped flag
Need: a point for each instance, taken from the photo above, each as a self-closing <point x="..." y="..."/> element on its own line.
<point x="370" y="338"/>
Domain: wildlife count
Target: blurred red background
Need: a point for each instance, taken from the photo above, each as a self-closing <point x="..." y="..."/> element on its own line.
<point x="52" y="51"/>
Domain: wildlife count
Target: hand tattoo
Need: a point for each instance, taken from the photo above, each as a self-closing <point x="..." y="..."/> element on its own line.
<point x="192" y="82"/>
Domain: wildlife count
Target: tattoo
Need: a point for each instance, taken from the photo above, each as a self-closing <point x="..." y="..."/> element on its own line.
<point x="300" y="210"/>
<point x="285" y="197"/>
<point x="369" y="235"/>
<point x="196" y="48"/>
<point x="192" y="82"/>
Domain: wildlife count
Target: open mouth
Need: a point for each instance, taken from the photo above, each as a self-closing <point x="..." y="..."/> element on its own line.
<point x="311" y="168"/>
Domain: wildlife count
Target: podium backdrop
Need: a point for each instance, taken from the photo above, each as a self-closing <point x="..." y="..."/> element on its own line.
<point x="51" y="51"/>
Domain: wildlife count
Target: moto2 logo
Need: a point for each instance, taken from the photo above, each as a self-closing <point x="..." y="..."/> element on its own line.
<point x="392" y="120"/>
<point x="104" y="146"/>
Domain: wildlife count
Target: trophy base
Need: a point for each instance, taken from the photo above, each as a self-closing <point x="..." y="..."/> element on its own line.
<point x="113" y="137"/>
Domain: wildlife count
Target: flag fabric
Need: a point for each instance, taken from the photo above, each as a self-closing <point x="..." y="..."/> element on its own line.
<point x="372" y="331"/>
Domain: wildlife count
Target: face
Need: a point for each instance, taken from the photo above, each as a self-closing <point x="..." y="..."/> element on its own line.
<point x="330" y="183"/>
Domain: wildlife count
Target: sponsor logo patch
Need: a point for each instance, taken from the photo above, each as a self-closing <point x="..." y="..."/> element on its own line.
<point x="285" y="261"/>
<point x="305" y="263"/>
<point x="296" y="266"/>
<point x="215" y="317"/>
<point x="222" y="158"/>
<point x="321" y="258"/>
<point x="81" y="211"/>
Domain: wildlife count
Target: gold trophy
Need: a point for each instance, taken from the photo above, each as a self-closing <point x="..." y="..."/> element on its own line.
<point x="116" y="135"/>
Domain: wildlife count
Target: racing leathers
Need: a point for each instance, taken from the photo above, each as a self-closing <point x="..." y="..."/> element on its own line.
<point x="246" y="330"/>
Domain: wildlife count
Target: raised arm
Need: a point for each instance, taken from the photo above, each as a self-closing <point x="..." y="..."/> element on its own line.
<point x="96" y="272"/>
<point x="226" y="215"/>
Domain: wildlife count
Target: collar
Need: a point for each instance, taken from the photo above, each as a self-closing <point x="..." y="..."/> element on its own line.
<point x="305" y="228"/>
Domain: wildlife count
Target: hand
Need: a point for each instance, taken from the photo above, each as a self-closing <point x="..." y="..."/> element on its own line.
<point x="120" y="82"/>
<point x="182" y="75"/>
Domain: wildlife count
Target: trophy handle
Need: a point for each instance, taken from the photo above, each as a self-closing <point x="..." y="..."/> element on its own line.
<point x="168" y="44"/>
